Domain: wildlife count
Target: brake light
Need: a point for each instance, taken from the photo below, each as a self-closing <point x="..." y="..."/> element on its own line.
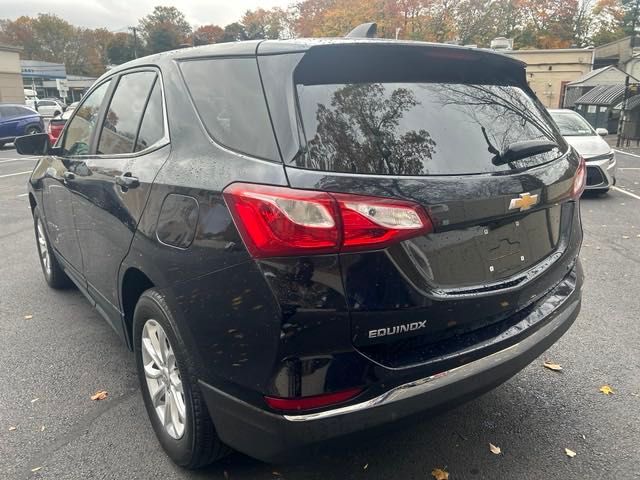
<point x="579" y="179"/>
<point x="308" y="403"/>
<point x="281" y="221"/>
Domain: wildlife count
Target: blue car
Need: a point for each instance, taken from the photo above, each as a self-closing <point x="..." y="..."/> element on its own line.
<point x="18" y="120"/>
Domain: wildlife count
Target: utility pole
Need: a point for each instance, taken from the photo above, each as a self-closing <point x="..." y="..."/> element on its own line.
<point x="135" y="41"/>
<point x="623" y="112"/>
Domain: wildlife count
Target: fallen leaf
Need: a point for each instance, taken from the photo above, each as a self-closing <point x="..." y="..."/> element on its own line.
<point x="99" y="395"/>
<point x="36" y="469"/>
<point x="42" y="428"/>
<point x="606" y="389"/>
<point x="277" y="474"/>
<point x="365" y="467"/>
<point x="440" y="474"/>
<point x="11" y="429"/>
<point x="570" y="453"/>
<point x="552" y="366"/>
<point x="625" y="236"/>
<point x="35" y="400"/>
<point x="28" y="317"/>
<point x="495" y="450"/>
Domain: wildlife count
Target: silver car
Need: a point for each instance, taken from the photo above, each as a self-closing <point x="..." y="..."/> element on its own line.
<point x="600" y="158"/>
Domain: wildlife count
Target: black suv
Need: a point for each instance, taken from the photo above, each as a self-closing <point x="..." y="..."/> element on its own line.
<point x="303" y="239"/>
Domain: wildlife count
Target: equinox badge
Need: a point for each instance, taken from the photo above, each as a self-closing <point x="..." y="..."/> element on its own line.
<point x="407" y="327"/>
<point x="525" y="202"/>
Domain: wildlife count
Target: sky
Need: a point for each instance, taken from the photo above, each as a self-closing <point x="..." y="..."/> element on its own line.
<point x="117" y="15"/>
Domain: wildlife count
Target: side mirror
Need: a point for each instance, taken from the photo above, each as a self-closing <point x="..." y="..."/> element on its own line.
<point x="603" y="132"/>
<point x="36" y="144"/>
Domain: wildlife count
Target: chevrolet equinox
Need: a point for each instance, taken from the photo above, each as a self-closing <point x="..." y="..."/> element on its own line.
<point x="307" y="238"/>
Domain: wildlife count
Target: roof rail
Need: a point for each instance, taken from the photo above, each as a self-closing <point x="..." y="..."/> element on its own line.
<point x="364" y="30"/>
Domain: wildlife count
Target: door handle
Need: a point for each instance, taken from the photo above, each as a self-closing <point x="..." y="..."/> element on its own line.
<point x="126" y="181"/>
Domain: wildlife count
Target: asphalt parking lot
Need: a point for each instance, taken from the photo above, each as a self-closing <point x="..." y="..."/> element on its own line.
<point x="56" y="351"/>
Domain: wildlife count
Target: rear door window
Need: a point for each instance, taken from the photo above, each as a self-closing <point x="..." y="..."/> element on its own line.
<point x="228" y="96"/>
<point x="418" y="128"/>
<point x="123" y="117"/>
<point x="152" y="127"/>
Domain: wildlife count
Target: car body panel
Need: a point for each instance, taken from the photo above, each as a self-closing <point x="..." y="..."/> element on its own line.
<point x="15" y="124"/>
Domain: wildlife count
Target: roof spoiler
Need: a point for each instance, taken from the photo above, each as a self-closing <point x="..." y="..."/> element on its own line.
<point x="364" y="30"/>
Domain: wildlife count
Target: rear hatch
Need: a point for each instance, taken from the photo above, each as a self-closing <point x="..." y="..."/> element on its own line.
<point x="432" y="125"/>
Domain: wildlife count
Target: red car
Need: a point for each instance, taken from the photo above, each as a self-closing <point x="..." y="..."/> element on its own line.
<point x="56" y="124"/>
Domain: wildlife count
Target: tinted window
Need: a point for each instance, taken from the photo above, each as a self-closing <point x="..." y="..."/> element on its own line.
<point x="78" y="133"/>
<point x="11" y="112"/>
<point x="229" y="99"/>
<point x="417" y="128"/>
<point x="152" y="127"/>
<point x="125" y="111"/>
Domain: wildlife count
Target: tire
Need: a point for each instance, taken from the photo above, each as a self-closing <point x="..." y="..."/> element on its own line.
<point x="1" y="145"/>
<point x="53" y="273"/>
<point x="32" y="130"/>
<point x="56" y="113"/>
<point x="193" y="442"/>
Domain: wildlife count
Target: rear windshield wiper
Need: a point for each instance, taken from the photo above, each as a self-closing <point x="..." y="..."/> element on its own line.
<point x="518" y="150"/>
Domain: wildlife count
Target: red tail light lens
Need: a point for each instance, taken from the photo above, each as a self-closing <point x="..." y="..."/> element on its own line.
<point x="580" y="179"/>
<point x="308" y="403"/>
<point x="280" y="221"/>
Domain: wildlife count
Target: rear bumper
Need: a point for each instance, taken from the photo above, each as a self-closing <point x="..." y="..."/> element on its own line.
<point x="272" y="437"/>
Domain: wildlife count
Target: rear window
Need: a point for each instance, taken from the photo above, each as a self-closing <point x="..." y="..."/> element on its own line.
<point x="429" y="128"/>
<point x="228" y="96"/>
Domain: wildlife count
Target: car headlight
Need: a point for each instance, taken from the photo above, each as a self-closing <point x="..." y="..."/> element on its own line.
<point x="605" y="156"/>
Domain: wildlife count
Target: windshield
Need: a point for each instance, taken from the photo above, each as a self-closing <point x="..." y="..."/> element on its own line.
<point x="418" y="128"/>
<point x="571" y="124"/>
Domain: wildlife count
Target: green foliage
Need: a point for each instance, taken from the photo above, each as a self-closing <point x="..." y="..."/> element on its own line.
<point x="164" y="29"/>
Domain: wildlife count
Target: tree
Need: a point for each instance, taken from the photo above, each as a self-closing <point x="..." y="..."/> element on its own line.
<point x="120" y="48"/>
<point x="234" y="32"/>
<point x="207" y="34"/>
<point x="359" y="132"/>
<point x="261" y="23"/>
<point x="164" y="29"/>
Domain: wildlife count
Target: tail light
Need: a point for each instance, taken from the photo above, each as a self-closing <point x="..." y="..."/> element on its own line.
<point x="309" y="403"/>
<point x="580" y="179"/>
<point x="281" y="221"/>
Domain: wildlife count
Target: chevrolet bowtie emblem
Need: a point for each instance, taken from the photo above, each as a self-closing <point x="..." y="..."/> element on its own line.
<point x="525" y="202"/>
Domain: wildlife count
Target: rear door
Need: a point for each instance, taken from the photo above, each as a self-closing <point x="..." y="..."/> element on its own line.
<point x="429" y="125"/>
<point x="9" y="119"/>
<point x="112" y="185"/>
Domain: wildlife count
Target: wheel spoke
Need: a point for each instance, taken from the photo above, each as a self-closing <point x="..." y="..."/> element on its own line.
<point x="151" y="372"/>
<point x="158" y="395"/>
<point x="181" y="408"/>
<point x="168" y="411"/>
<point x="147" y="344"/>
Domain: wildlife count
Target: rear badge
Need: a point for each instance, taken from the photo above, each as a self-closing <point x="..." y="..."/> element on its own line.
<point x="395" y="330"/>
<point x="525" y="202"/>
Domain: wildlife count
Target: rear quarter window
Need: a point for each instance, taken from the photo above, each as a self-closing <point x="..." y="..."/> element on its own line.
<point x="228" y="97"/>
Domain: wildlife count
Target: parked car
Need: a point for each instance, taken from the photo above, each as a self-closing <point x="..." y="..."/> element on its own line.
<point x="599" y="156"/>
<point x="50" y="108"/>
<point x="18" y="120"/>
<point x="56" y="124"/>
<point x="31" y="98"/>
<point x="331" y="236"/>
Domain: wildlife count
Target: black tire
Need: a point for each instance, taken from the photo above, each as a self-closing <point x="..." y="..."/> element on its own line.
<point x="1" y="145"/>
<point x="54" y="275"/>
<point x="56" y="113"/>
<point x="199" y="445"/>
<point x="32" y="130"/>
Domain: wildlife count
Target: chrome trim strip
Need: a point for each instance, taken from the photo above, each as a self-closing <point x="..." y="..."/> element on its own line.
<point x="434" y="382"/>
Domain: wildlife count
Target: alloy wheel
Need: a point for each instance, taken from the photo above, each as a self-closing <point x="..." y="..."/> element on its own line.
<point x="164" y="381"/>
<point x="43" y="248"/>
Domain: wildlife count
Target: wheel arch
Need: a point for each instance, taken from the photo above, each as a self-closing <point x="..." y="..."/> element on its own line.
<point x="134" y="283"/>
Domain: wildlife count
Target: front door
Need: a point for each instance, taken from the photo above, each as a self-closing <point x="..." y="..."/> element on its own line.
<point x="112" y="185"/>
<point x="59" y="178"/>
